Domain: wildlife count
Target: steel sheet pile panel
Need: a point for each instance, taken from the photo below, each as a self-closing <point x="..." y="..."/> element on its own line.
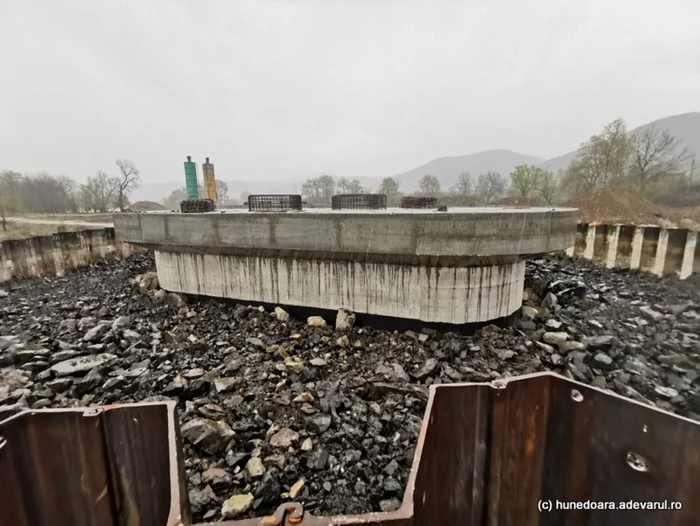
<point x="559" y="440"/>
<point x="487" y="455"/>
<point x="145" y="483"/>
<point x="450" y="472"/>
<point x="91" y="467"/>
<point x="57" y="466"/>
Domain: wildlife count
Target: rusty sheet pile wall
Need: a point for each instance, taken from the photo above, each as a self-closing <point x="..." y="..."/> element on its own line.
<point x="56" y="254"/>
<point x="499" y="453"/>
<point x="650" y="248"/>
<point x="109" y="466"/>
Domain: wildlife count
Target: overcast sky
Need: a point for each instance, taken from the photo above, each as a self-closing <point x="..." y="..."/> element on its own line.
<point x="275" y="89"/>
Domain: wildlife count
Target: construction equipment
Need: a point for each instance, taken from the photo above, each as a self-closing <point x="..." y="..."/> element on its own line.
<point x="191" y="184"/>
<point x="209" y="181"/>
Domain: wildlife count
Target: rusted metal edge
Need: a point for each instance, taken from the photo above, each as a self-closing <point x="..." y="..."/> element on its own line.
<point x="591" y="388"/>
<point x="486" y="453"/>
<point x="67" y="462"/>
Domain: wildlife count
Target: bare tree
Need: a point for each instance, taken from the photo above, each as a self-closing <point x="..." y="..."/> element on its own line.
<point x="656" y="154"/>
<point x="311" y="189"/>
<point x="348" y="186"/>
<point x="221" y="191"/>
<point x="547" y="187"/>
<point x="613" y="149"/>
<point x="71" y="190"/>
<point x="327" y="186"/>
<point x="525" y="180"/>
<point x="429" y="185"/>
<point x="10" y="198"/>
<point x="43" y="193"/>
<point x="390" y="188"/>
<point x="129" y="179"/>
<point x="173" y="200"/>
<point x="463" y="186"/>
<point x="319" y="189"/>
<point x="40" y="193"/>
<point x="100" y="192"/>
<point x="581" y="175"/>
<point x="490" y="185"/>
<point x="602" y="160"/>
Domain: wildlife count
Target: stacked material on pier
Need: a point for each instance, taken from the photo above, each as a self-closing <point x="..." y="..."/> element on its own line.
<point x="209" y="181"/>
<point x="358" y="201"/>
<point x="419" y="202"/>
<point x="274" y="202"/>
<point x="191" y="185"/>
<point x="197" y="206"/>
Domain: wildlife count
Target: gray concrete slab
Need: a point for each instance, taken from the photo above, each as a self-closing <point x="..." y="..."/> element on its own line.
<point x="479" y="232"/>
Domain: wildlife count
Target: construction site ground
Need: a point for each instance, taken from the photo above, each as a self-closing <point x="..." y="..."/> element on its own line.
<point x="276" y="408"/>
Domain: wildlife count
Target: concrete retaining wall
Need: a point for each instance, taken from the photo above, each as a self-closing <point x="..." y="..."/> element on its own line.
<point x="56" y="254"/>
<point x="661" y="251"/>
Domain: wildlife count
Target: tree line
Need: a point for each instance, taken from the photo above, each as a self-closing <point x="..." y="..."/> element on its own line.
<point x="488" y="187"/>
<point x="49" y="194"/>
<point x="650" y="160"/>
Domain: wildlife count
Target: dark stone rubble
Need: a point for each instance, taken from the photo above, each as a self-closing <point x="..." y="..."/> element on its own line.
<point x="271" y="406"/>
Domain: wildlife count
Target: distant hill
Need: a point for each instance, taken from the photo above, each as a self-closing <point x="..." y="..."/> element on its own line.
<point x="685" y="126"/>
<point x="446" y="169"/>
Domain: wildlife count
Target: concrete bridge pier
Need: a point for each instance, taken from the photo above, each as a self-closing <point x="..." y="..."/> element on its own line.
<point x="457" y="267"/>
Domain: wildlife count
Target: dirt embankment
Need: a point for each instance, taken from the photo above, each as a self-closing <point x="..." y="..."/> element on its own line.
<point x="622" y="205"/>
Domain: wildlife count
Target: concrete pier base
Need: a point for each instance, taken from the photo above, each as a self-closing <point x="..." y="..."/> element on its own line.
<point x="455" y="295"/>
<point x="466" y="266"/>
<point x="660" y="257"/>
<point x="590" y="242"/>
<point x="637" y="240"/>
<point x="689" y="255"/>
<point x="613" y="240"/>
<point x="648" y="248"/>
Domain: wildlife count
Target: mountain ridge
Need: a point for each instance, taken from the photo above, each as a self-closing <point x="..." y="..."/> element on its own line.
<point x="685" y="126"/>
<point x="448" y="168"/>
